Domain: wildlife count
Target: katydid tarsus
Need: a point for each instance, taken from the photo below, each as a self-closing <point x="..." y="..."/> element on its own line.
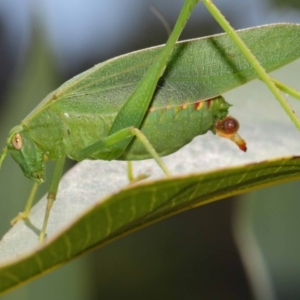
<point x="91" y="128"/>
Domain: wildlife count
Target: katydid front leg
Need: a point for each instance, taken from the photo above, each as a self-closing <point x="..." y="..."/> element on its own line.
<point x="25" y="213"/>
<point x="52" y="192"/>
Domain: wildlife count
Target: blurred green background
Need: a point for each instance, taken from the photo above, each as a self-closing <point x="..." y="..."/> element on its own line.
<point x="233" y="249"/>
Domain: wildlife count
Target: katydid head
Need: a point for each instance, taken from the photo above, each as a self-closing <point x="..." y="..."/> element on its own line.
<point x="26" y="153"/>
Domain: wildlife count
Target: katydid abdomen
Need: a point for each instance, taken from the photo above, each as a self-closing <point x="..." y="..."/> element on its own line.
<point x="169" y="129"/>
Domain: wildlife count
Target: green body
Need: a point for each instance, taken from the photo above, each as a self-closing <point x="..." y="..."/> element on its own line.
<point x="101" y="114"/>
<point x="62" y="126"/>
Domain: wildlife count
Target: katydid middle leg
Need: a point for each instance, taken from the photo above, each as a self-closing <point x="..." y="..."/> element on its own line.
<point x="130" y="175"/>
<point x="104" y="146"/>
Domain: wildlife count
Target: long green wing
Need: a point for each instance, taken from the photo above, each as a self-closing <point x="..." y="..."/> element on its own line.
<point x="187" y="78"/>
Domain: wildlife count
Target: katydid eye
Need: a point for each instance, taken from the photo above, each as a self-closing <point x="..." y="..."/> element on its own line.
<point x="17" y="141"/>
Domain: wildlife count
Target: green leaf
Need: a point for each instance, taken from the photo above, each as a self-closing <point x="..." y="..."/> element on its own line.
<point x="117" y="214"/>
<point x="95" y="205"/>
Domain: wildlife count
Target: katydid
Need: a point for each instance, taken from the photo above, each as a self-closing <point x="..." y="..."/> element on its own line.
<point x="70" y="122"/>
<point x="57" y="129"/>
<point x="132" y="129"/>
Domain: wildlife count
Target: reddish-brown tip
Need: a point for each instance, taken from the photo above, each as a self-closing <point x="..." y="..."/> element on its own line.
<point x="228" y="128"/>
<point x="240" y="142"/>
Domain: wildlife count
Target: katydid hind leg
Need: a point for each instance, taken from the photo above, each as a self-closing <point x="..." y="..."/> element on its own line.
<point x="135" y="108"/>
<point x="52" y="194"/>
<point x="263" y="75"/>
<point x="287" y="89"/>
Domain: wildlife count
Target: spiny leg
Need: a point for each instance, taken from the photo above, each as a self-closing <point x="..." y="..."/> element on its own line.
<point x="25" y="213"/>
<point x="52" y="194"/>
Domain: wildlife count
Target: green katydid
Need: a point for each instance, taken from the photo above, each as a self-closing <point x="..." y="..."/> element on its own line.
<point x="95" y="129"/>
<point x="88" y="128"/>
